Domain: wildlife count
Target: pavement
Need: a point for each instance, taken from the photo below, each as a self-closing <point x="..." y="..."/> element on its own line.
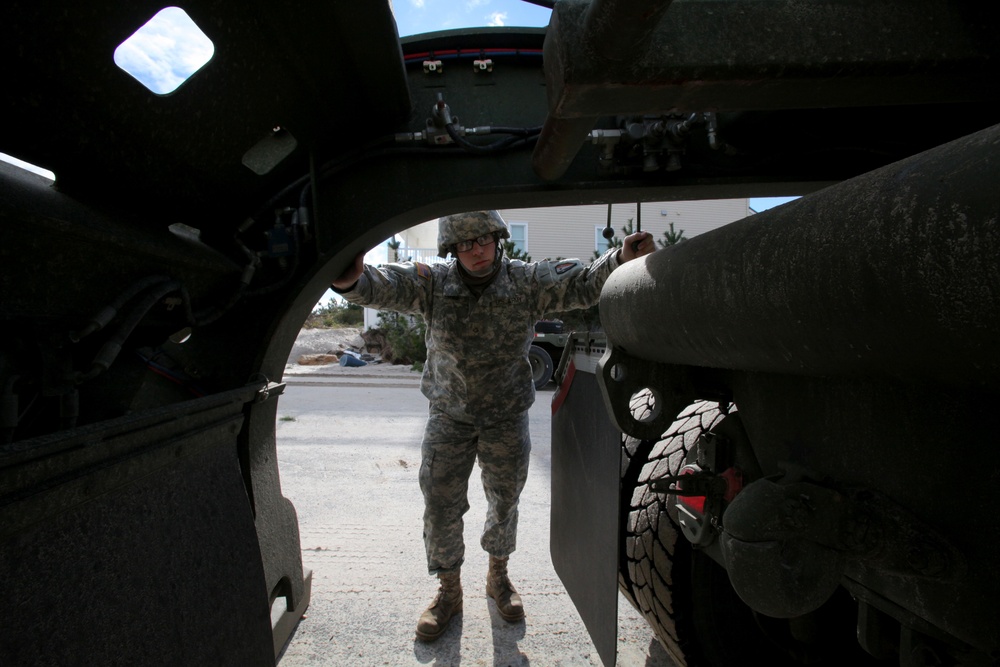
<point x="348" y="453"/>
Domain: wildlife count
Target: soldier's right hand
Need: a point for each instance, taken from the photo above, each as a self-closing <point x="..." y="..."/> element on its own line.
<point x="351" y="274"/>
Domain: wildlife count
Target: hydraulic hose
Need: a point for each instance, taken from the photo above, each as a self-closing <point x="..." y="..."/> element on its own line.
<point x="109" y="351"/>
<point x="108" y="313"/>
<point x="496" y="146"/>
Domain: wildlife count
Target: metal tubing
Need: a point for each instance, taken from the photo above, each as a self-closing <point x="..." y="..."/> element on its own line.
<point x="893" y="272"/>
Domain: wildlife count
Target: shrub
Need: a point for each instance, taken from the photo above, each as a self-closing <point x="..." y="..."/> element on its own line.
<point x="404" y="338"/>
<point x="334" y="315"/>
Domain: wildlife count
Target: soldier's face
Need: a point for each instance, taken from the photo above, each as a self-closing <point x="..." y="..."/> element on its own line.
<point x="478" y="260"/>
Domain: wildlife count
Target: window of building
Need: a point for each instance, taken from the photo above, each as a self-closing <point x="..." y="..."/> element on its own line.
<point x="519" y="235"/>
<point x="601" y="244"/>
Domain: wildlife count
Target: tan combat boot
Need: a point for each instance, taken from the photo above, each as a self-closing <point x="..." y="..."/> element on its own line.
<point x="499" y="588"/>
<point x="447" y="603"/>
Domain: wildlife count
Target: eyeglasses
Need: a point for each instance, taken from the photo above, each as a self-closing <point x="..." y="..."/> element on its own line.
<point x="484" y="240"/>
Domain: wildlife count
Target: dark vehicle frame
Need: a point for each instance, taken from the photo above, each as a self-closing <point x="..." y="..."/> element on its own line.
<point x="152" y="293"/>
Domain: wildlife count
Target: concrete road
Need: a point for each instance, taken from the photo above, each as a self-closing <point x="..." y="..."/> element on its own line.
<point x="349" y="452"/>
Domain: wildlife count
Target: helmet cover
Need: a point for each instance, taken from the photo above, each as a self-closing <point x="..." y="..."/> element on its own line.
<point x="465" y="226"/>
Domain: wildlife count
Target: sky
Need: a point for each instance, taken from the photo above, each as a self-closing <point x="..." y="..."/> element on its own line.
<point x="417" y="16"/>
<point x="166" y="51"/>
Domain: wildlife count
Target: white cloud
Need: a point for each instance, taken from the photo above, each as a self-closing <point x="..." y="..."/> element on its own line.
<point x="166" y="51"/>
<point x="472" y="4"/>
<point x="419" y="4"/>
<point x="496" y="19"/>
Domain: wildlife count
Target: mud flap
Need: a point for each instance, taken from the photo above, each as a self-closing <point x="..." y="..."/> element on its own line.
<point x="586" y="460"/>
<point x="132" y="541"/>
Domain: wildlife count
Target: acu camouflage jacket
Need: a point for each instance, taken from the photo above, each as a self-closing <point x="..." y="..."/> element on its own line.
<point x="477" y="349"/>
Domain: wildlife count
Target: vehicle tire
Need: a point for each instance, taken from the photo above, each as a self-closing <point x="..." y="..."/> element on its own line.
<point x="656" y="563"/>
<point x="685" y="596"/>
<point x="541" y="366"/>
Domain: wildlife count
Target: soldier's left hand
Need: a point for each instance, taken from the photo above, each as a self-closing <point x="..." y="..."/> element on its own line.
<point x="637" y="245"/>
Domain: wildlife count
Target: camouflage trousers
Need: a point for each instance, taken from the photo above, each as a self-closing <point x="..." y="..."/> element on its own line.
<point x="451" y="445"/>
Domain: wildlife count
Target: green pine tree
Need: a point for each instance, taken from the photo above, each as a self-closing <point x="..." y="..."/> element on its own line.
<point x="393" y="249"/>
<point x="671" y="237"/>
<point x="513" y="252"/>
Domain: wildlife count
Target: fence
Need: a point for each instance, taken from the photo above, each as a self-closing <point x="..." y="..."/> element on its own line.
<point x="425" y="255"/>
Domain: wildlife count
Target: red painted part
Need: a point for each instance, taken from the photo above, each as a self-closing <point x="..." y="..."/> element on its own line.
<point x="457" y="53"/>
<point x="560" y="395"/>
<point x="697" y="503"/>
<point x="734" y="483"/>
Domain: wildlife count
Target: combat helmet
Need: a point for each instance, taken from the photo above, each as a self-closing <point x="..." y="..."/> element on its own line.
<point x="471" y="225"/>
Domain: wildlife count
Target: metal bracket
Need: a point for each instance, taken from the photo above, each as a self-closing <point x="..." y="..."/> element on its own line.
<point x="642" y="397"/>
<point x="269" y="390"/>
<point x="695" y="484"/>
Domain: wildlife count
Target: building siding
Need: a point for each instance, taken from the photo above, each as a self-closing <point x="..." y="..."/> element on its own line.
<point x="572" y="231"/>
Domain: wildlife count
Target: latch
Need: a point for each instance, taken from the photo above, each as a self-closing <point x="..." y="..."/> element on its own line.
<point x="269" y="390"/>
<point x="702" y="495"/>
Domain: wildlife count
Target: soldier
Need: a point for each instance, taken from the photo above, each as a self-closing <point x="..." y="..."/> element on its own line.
<point x="480" y="313"/>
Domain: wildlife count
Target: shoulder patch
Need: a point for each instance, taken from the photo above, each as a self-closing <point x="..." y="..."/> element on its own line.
<point x="423" y="270"/>
<point x="563" y="267"/>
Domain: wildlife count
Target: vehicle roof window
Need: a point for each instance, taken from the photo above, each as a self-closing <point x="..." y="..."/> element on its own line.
<point x="166" y="51"/>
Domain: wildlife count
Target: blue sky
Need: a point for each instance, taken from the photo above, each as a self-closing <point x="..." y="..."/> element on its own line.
<point x="417" y="16"/>
<point x="763" y="203"/>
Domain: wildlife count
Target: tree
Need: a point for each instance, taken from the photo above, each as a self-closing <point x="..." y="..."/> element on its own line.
<point x="393" y="249"/>
<point x="671" y="237"/>
<point x="335" y="314"/>
<point x="513" y="252"/>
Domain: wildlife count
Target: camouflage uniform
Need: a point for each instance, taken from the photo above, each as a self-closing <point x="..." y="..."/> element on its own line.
<point x="478" y="380"/>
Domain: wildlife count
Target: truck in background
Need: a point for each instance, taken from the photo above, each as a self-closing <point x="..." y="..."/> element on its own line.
<point x="546" y="350"/>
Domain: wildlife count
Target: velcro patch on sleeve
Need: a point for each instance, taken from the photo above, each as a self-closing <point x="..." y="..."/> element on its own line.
<point x="563" y="267"/>
<point x="423" y="270"/>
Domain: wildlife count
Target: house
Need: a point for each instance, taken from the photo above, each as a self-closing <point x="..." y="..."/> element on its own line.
<point x="578" y="231"/>
<point x="572" y="231"/>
